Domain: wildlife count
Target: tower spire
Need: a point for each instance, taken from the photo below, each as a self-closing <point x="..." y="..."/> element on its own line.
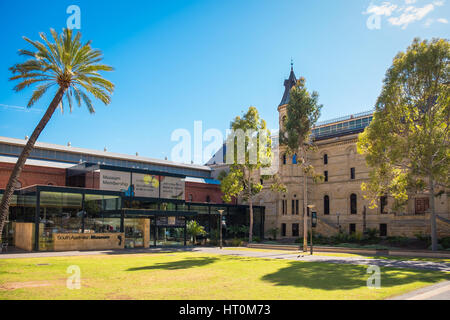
<point x="288" y="84"/>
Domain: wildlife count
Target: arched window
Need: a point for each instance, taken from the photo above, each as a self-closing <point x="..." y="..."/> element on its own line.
<point x="284" y="159"/>
<point x="294" y="159"/>
<point x="326" y="205"/>
<point x="325" y="159"/>
<point x="353" y="204"/>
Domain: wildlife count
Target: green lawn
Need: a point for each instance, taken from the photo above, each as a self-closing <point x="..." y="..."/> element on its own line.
<point x="187" y="275"/>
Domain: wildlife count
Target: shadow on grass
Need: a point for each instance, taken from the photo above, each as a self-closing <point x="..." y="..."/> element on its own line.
<point x="176" y="265"/>
<point x="326" y="276"/>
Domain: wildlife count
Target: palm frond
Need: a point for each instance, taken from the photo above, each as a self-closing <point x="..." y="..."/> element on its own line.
<point x="63" y="60"/>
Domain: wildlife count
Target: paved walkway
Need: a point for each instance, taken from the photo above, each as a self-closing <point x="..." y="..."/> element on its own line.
<point x="425" y="265"/>
<point x="440" y="291"/>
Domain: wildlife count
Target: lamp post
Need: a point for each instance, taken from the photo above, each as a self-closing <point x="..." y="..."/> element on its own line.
<point x="220" y="227"/>
<point x="310" y="207"/>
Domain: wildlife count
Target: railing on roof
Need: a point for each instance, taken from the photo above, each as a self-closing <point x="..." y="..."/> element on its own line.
<point x="349" y="117"/>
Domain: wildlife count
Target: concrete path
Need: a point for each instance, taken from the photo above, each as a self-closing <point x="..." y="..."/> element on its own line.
<point x="424" y="265"/>
<point x="440" y="291"/>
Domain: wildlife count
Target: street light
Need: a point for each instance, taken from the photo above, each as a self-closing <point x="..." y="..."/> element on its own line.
<point x="220" y="227"/>
<point x="310" y="207"/>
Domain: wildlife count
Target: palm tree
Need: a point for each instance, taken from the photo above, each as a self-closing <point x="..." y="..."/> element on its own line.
<point x="73" y="68"/>
<point x="194" y="229"/>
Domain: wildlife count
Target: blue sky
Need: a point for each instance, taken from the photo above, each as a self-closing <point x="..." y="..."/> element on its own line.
<point x="181" y="61"/>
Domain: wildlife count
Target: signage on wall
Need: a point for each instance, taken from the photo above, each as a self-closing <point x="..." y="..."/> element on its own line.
<point x="114" y="180"/>
<point x="170" y="221"/>
<point x="143" y="185"/>
<point x="172" y="188"/>
<point x="146" y="185"/>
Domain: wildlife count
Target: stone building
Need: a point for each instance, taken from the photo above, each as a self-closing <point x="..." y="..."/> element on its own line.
<point x="339" y="201"/>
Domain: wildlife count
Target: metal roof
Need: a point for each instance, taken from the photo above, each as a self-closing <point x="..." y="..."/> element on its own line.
<point x="112" y="155"/>
<point x="39" y="163"/>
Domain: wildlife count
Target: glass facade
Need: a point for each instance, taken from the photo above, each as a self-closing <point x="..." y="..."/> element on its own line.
<point x="341" y="128"/>
<point x="57" y="211"/>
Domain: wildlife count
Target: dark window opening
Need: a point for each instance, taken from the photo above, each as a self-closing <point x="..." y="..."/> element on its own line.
<point x="283" y="229"/>
<point x="326" y="176"/>
<point x="352" y="228"/>
<point x="352" y="174"/>
<point x="297" y="207"/>
<point x="208" y="199"/>
<point x="383" y="230"/>
<point x="422" y="205"/>
<point x="284" y="207"/>
<point x="383" y="204"/>
<point x="295" y="230"/>
<point x="353" y="204"/>
<point x="326" y="205"/>
<point x="325" y="159"/>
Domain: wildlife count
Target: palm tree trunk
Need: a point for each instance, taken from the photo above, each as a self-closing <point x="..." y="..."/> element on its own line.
<point x="434" y="242"/>
<point x="15" y="174"/>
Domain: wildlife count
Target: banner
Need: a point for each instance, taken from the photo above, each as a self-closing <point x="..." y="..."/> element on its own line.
<point x="114" y="180"/>
<point x="172" y="188"/>
<point x="146" y="185"/>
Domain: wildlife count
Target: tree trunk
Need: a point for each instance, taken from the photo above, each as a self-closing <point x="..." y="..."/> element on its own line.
<point x="434" y="242"/>
<point x="250" y="232"/>
<point x="15" y="174"/>
<point x="305" y="215"/>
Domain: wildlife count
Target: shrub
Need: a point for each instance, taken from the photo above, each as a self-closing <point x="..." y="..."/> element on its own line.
<point x="445" y="242"/>
<point x="236" y="242"/>
<point x="256" y="239"/>
<point x="273" y="232"/>
<point x="398" y="240"/>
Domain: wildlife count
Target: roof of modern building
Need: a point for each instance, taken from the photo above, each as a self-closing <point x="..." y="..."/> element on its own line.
<point x="103" y="154"/>
<point x="37" y="163"/>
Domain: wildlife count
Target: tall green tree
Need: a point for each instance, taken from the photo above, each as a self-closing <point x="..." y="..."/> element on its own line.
<point x="407" y="144"/>
<point x="67" y="65"/>
<point x="302" y="113"/>
<point x="251" y="148"/>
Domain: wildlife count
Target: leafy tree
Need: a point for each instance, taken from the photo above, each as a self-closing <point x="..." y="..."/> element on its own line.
<point x="250" y="151"/>
<point x="194" y="229"/>
<point x="407" y="143"/>
<point x="69" y="66"/>
<point x="302" y="113"/>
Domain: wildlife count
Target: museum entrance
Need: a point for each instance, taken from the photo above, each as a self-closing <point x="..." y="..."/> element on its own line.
<point x="148" y="228"/>
<point x="169" y="231"/>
